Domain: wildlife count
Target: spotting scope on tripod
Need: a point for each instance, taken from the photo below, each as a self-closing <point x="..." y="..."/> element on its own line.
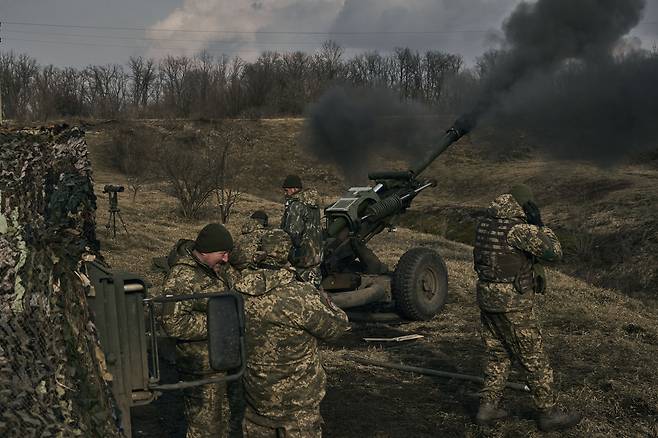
<point x="113" y="194"/>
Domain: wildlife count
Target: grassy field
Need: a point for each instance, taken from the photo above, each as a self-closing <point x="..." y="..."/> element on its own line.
<point x="603" y="342"/>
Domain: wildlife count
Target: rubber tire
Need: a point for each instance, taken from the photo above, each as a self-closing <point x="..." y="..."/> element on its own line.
<point x="413" y="267"/>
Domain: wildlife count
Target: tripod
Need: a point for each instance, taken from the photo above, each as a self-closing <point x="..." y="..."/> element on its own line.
<point x="114" y="212"/>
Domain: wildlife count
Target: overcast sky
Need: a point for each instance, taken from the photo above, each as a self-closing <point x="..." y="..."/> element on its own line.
<point x="110" y="31"/>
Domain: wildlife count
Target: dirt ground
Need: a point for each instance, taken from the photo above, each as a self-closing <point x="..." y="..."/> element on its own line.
<point x="603" y="344"/>
<point x="603" y="348"/>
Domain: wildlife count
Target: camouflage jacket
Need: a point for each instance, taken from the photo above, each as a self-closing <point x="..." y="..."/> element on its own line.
<point x="301" y="220"/>
<point x="538" y="244"/>
<point x="285" y="381"/>
<point x="185" y="321"/>
<point x="246" y="245"/>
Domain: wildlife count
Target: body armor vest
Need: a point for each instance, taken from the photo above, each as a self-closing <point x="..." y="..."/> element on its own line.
<point x="495" y="260"/>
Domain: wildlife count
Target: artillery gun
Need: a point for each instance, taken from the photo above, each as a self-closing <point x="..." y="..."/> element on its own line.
<point x="354" y="276"/>
<point x="125" y="315"/>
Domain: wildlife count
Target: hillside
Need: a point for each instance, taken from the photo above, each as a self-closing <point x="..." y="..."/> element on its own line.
<point x="607" y="218"/>
<point x="603" y="344"/>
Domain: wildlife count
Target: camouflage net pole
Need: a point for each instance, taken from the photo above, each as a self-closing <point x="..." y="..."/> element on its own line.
<point x="53" y="379"/>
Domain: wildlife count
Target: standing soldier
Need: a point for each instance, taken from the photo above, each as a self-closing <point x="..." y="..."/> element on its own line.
<point x="285" y="381"/>
<point x="197" y="271"/>
<point x="510" y="242"/>
<point x="301" y="220"/>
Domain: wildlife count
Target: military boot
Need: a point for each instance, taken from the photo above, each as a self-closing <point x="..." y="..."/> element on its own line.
<point x="488" y="413"/>
<point x="555" y="419"/>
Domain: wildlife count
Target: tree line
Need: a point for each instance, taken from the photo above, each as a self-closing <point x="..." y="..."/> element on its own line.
<point x="214" y="87"/>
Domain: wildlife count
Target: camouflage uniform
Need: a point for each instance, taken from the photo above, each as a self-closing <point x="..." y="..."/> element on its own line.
<point x="285" y="381"/>
<point x="506" y="253"/>
<point x="301" y="220"/>
<point x="185" y="321"/>
<point x="247" y="244"/>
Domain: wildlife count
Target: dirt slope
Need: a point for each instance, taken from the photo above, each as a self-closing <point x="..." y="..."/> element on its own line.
<point x="603" y="345"/>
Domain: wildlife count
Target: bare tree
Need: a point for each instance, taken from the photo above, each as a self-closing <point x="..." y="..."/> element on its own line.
<point x="234" y="94"/>
<point x="330" y="57"/>
<point x="192" y="166"/>
<point x="409" y="70"/>
<point x="17" y="73"/>
<point x="226" y="192"/>
<point x="142" y="77"/>
<point x="260" y="78"/>
<point x="175" y="77"/>
<point x="107" y="85"/>
<point x="70" y="93"/>
<point x="43" y="98"/>
<point x="438" y="67"/>
<point x="214" y="87"/>
<point x="326" y="67"/>
<point x="292" y="90"/>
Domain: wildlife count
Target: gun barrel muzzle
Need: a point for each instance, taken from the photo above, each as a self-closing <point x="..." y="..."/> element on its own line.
<point x="462" y="126"/>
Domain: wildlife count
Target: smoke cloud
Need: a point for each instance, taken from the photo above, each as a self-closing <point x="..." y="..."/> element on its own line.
<point x="569" y="79"/>
<point x="566" y="74"/>
<point x="351" y="127"/>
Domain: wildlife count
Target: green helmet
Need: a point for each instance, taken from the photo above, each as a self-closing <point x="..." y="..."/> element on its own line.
<point x="276" y="244"/>
<point x="292" y="182"/>
<point x="522" y="194"/>
<point x="213" y="238"/>
<point x="260" y="216"/>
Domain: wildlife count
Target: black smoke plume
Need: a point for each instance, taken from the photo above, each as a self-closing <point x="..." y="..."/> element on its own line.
<point x="541" y="36"/>
<point x="559" y="77"/>
<point x="350" y="127"/>
<point x="560" y="80"/>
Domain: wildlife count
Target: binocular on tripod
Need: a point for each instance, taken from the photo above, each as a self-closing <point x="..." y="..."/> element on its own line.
<point x="113" y="195"/>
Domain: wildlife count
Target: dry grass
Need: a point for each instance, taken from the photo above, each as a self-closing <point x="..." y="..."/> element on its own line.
<point x="603" y="345"/>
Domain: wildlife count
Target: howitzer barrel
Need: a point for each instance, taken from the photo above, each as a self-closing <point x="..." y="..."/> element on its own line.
<point x="462" y="126"/>
<point x="392" y="174"/>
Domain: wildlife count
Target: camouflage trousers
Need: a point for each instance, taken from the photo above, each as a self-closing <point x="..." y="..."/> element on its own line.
<point x="255" y="426"/>
<point x="207" y="411"/>
<point x="515" y="336"/>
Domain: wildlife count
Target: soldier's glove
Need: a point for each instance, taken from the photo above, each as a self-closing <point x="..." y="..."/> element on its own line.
<point x="532" y="214"/>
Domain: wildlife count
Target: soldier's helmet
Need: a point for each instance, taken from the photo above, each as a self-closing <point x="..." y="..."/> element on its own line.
<point x="260" y="216"/>
<point x="276" y="244"/>
<point x="292" y="182"/>
<point x="522" y="194"/>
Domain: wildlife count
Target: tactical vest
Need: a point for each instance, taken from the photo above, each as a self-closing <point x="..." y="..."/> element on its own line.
<point x="495" y="260"/>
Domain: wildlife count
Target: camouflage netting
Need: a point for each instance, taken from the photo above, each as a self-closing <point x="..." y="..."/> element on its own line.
<point x="53" y="380"/>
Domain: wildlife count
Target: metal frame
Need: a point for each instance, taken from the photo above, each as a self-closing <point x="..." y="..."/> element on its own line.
<point x="155" y="361"/>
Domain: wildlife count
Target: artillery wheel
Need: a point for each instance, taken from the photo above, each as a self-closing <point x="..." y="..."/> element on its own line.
<point x="420" y="284"/>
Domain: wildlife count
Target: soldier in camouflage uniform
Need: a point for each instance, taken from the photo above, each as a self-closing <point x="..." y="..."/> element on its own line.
<point x="510" y="243"/>
<point x="301" y="220"/>
<point x="199" y="270"/>
<point x="248" y="242"/>
<point x="285" y="317"/>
